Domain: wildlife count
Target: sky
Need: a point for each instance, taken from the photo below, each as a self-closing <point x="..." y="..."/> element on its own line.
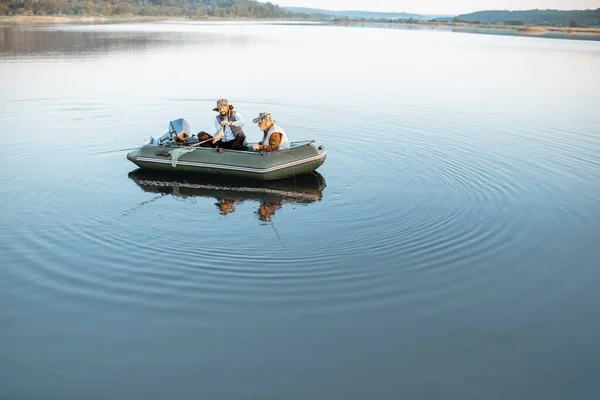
<point x="452" y="7"/>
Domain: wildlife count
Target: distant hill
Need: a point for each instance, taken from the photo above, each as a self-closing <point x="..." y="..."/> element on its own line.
<point x="258" y="10"/>
<point x="186" y="8"/>
<point x="359" y="14"/>
<point x="532" y="17"/>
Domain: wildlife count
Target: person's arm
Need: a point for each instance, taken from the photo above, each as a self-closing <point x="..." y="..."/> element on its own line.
<point x="274" y="142"/>
<point x="217" y="124"/>
<point x="239" y="121"/>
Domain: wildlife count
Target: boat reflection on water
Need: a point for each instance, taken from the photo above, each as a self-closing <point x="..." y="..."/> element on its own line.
<point x="271" y="195"/>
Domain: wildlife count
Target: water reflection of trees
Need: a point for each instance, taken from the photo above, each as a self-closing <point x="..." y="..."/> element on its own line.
<point x="27" y="41"/>
<point x="230" y="193"/>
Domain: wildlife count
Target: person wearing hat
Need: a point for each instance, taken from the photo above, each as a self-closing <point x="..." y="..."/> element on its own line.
<point x="267" y="209"/>
<point x="225" y="206"/>
<point x="233" y="136"/>
<point x="274" y="137"/>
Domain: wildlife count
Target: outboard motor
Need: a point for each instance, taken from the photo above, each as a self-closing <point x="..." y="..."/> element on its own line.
<point x="179" y="131"/>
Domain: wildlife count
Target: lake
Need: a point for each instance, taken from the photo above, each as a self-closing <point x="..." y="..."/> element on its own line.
<point x="448" y="247"/>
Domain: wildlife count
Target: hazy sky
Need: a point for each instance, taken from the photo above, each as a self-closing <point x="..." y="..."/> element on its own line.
<point x="440" y="6"/>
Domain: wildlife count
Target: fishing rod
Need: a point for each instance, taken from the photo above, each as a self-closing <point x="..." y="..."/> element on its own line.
<point x="193" y="145"/>
<point x="114" y="151"/>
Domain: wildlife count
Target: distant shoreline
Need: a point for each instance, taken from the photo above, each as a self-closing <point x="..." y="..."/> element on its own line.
<point x="52" y="19"/>
<point x="522" y="30"/>
<point x="545" y="31"/>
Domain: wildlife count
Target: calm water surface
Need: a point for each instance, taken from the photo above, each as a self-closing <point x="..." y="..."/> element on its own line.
<point x="447" y="248"/>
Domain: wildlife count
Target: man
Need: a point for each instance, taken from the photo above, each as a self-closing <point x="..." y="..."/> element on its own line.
<point x="267" y="209"/>
<point x="225" y="206"/>
<point x="232" y="137"/>
<point x="274" y="138"/>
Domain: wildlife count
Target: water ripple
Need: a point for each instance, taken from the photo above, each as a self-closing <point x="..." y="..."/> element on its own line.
<point x="432" y="204"/>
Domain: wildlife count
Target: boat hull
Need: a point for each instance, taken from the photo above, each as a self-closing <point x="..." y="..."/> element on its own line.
<point x="301" y="158"/>
<point x="302" y="189"/>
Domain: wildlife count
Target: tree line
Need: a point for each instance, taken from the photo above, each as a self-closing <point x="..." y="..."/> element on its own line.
<point x="187" y="8"/>
<point x="576" y="18"/>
